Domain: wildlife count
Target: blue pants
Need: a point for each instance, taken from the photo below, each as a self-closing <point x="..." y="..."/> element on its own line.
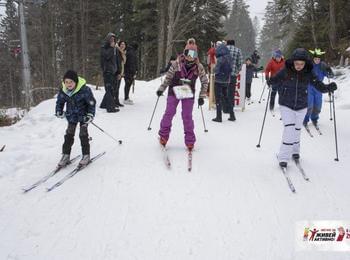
<point x="314" y="104"/>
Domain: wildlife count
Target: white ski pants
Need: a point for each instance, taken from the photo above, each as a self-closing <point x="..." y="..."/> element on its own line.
<point x="293" y="122"/>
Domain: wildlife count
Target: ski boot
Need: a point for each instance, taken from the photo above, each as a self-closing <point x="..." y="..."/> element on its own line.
<point x="283" y="164"/>
<point x="65" y="159"/>
<point x="296" y="156"/>
<point x="85" y="160"/>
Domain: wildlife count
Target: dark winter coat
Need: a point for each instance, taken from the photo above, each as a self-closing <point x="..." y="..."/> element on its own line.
<point x="255" y="58"/>
<point x="79" y="102"/>
<point x="293" y="85"/>
<point x="109" y="58"/>
<point x="130" y="68"/>
<point x="223" y="58"/>
<point x="250" y="69"/>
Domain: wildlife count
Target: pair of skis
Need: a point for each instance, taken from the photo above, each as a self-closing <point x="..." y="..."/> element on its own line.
<point x="308" y="130"/>
<point x="168" y="162"/>
<point x="286" y="175"/>
<point x="65" y="178"/>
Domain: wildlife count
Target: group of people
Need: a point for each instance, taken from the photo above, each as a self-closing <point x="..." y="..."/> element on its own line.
<point x="292" y="79"/>
<point x="118" y="61"/>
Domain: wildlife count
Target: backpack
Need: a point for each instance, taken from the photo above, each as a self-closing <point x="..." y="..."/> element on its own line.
<point x="226" y="65"/>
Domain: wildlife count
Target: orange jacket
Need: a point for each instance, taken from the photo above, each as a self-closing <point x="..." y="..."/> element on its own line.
<point x="273" y="67"/>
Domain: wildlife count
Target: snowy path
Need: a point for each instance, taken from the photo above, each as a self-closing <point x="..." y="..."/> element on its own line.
<point x="235" y="204"/>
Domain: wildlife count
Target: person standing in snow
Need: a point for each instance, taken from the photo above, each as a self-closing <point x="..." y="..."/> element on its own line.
<point x="250" y="69"/>
<point x="181" y="79"/>
<point x="237" y="62"/>
<point x="130" y="71"/>
<point x="223" y="69"/>
<point x="80" y="108"/>
<point x="292" y="82"/>
<point x="275" y="64"/>
<point x="110" y="70"/>
<point x="255" y="59"/>
<point x="321" y="70"/>
<point x="121" y="56"/>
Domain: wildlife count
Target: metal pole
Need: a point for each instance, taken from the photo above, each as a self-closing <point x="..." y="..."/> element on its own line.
<point x="25" y="58"/>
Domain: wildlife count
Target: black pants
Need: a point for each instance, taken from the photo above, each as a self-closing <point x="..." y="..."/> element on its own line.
<point x="248" y="87"/>
<point x="222" y="97"/>
<point x="110" y="87"/>
<point x="69" y="138"/>
<point x="128" y="82"/>
<point x="116" y="93"/>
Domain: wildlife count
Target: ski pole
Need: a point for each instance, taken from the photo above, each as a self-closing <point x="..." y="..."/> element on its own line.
<point x="335" y="130"/>
<point x="262" y="92"/>
<point x="154" y="110"/>
<point x="262" y="127"/>
<point x="205" y="128"/>
<point x="330" y="104"/>
<point x="103" y="131"/>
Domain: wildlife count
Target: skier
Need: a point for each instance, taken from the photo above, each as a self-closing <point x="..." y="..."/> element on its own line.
<point x="237" y="61"/>
<point x="80" y="108"/>
<point x="321" y="70"/>
<point x="255" y="59"/>
<point x="110" y="70"/>
<point x="293" y="81"/>
<point x="181" y="79"/>
<point x="223" y="69"/>
<point x="250" y="69"/>
<point x="275" y="64"/>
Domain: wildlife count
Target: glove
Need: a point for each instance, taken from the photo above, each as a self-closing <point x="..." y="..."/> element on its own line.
<point x="200" y="101"/>
<point x="60" y="114"/>
<point x="88" y="118"/>
<point x="331" y="87"/>
<point x="159" y="93"/>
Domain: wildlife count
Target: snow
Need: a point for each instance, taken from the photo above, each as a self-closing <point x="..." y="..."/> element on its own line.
<point x="235" y="204"/>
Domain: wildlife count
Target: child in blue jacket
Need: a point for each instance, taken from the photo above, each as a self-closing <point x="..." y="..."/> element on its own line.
<point x="80" y="108"/>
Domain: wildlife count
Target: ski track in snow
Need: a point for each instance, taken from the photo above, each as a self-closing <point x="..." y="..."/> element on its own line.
<point x="235" y="204"/>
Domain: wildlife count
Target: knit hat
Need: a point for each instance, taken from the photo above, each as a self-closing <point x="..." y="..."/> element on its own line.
<point x="71" y="74"/>
<point x="277" y="54"/>
<point x="300" y="54"/>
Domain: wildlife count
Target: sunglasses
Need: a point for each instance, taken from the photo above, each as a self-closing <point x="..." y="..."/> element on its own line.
<point x="191" y="53"/>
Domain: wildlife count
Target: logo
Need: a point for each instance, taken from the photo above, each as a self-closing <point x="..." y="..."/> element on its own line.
<point x="323" y="235"/>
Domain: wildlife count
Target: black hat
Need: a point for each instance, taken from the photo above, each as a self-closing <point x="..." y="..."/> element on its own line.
<point x="71" y="74"/>
<point x="300" y="54"/>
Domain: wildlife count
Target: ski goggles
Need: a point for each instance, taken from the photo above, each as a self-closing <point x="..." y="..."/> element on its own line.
<point x="191" y="53"/>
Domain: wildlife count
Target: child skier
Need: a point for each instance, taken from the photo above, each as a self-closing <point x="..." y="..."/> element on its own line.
<point x="181" y="79"/>
<point x="321" y="70"/>
<point x="293" y="81"/>
<point x="275" y="64"/>
<point x="80" y="108"/>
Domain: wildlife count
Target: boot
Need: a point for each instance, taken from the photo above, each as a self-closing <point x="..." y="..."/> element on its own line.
<point x="283" y="164"/>
<point x="190" y="147"/>
<point x="296" y="156"/>
<point x="232" y="117"/>
<point x="162" y="141"/>
<point x="85" y="160"/>
<point x="217" y="119"/>
<point x="64" y="160"/>
<point x="128" y="102"/>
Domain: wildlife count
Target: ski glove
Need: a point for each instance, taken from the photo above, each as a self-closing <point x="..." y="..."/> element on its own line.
<point x="60" y="114"/>
<point x="331" y="87"/>
<point x="159" y="93"/>
<point x="200" y="101"/>
<point x="88" y="118"/>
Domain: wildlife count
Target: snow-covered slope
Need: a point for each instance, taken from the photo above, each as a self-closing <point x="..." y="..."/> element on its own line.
<point x="235" y="204"/>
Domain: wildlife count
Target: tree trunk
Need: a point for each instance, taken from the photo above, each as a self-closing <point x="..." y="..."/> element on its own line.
<point x="332" y="25"/>
<point x="312" y="14"/>
<point x="161" y="35"/>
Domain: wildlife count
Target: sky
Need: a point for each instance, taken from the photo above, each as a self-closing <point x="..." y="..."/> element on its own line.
<point x="257" y="7"/>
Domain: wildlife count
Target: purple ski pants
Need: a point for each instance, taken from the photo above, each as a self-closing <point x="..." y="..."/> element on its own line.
<point x="170" y="111"/>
